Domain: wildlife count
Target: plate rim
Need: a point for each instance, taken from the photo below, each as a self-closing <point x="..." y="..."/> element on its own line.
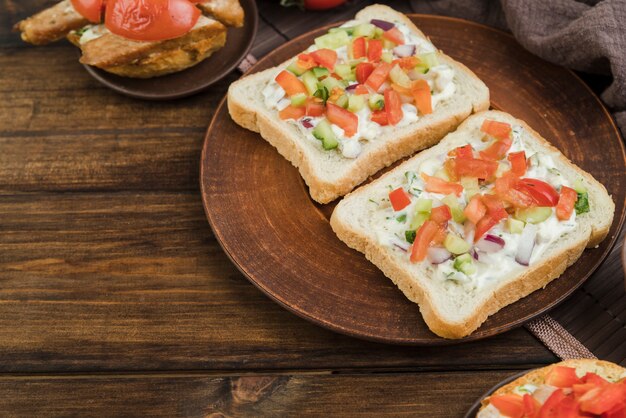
<point x="475" y="336"/>
<point x="95" y="72"/>
<point x="473" y="410"/>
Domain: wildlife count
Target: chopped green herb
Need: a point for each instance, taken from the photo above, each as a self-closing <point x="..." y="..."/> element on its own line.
<point x="322" y="93"/>
<point x="410" y="235"/>
<point x="401" y="218"/>
<point x="582" y="203"/>
<point x="82" y="30"/>
<point x="373" y="201"/>
<point x="554" y="171"/>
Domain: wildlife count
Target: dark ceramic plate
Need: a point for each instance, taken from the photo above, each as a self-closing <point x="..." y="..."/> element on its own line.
<point x="476" y="406"/>
<point x="262" y="215"/>
<point x="194" y="79"/>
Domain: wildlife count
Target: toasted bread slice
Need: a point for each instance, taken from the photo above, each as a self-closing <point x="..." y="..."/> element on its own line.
<point x="51" y="24"/>
<point x="329" y="174"/>
<point x="454" y="309"/>
<point x="229" y="12"/>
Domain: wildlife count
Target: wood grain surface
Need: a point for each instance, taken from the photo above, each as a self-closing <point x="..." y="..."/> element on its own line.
<point x="115" y="298"/>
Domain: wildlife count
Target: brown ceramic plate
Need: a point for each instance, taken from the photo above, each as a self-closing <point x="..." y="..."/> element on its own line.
<point x="262" y="215"/>
<point x="476" y="406"/>
<point x="194" y="79"/>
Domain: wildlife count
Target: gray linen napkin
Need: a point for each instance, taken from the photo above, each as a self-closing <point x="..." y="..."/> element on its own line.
<point x="587" y="36"/>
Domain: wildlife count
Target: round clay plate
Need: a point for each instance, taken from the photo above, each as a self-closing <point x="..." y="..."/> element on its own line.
<point x="195" y="79"/>
<point x="281" y="240"/>
<point x="476" y="406"/>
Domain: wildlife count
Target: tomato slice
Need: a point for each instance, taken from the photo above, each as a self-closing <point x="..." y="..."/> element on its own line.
<point x="497" y="150"/>
<point x="496" y="129"/>
<point x="360" y="90"/>
<point x="154" y="20"/>
<point x="542" y="193"/>
<point x="315" y="109"/>
<point x="359" y="48"/>
<point x="508" y="189"/>
<point x="509" y="404"/>
<point x="474" y="167"/>
<point x="394" y="35"/>
<point x="290" y="83"/>
<point x="440" y="214"/>
<point x="605" y="399"/>
<point x="363" y="71"/>
<point x="292" y="112"/>
<point x="424" y="236"/>
<point x="437" y="185"/>
<point x="380" y="117"/>
<point x="89" y="9"/>
<point x="562" y="377"/>
<point x="594" y="379"/>
<point x="399" y="199"/>
<point x="475" y="209"/>
<point x="550" y="407"/>
<point x="531" y="406"/>
<point x="518" y="163"/>
<point x="393" y="107"/>
<point x="343" y="118"/>
<point x="378" y="76"/>
<point x="565" y="205"/>
<point x="421" y="94"/>
<point x="374" y="50"/>
<point x="325" y="57"/>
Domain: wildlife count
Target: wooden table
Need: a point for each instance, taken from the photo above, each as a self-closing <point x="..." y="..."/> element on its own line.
<point x="115" y="298"/>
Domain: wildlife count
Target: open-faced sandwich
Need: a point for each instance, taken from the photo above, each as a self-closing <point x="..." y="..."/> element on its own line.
<point x="139" y="39"/>
<point x="570" y="389"/>
<point x="484" y="218"/>
<point x="364" y="95"/>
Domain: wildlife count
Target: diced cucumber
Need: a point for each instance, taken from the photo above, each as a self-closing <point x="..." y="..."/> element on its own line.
<point x="418" y="219"/>
<point x="310" y="82"/>
<point x="387" y="44"/>
<point x="387" y="56"/>
<point x="456" y="245"/>
<point x="322" y="93"/>
<point x="399" y="77"/>
<point x="298" y="100"/>
<point x="364" y="29"/>
<point x="579" y="186"/>
<point x="514" y="226"/>
<point x="320" y="72"/>
<point x="356" y="103"/>
<point x="342" y="101"/>
<point x="582" y="203"/>
<point x="295" y="68"/>
<point x="354" y="63"/>
<point x="470" y="185"/>
<point x="378" y="33"/>
<point x="324" y="133"/>
<point x="442" y="174"/>
<point x="455" y="208"/>
<point x="331" y="82"/>
<point x="465" y="264"/>
<point x="429" y="59"/>
<point x="349" y="30"/>
<point x="533" y="160"/>
<point x="423" y="205"/>
<point x="533" y="215"/>
<point x="345" y="71"/>
<point x="333" y="40"/>
<point x="376" y="101"/>
<point x="410" y="235"/>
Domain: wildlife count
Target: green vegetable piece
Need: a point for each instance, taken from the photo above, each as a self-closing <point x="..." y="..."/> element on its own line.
<point x="455" y="208"/>
<point x="387" y="44"/>
<point x="295" y="68"/>
<point x="456" y="245"/>
<point x="331" y="82"/>
<point x="320" y="72"/>
<point x="401" y="218"/>
<point x="378" y="33"/>
<point x="322" y="93"/>
<point x="441" y="174"/>
<point x="470" y="185"/>
<point x="579" y="186"/>
<point x="399" y="77"/>
<point x="345" y="71"/>
<point x="342" y="101"/>
<point x="376" y="101"/>
<point x="429" y="59"/>
<point x="364" y="29"/>
<point x="410" y="235"/>
<point x="387" y="56"/>
<point x="333" y="40"/>
<point x="356" y="103"/>
<point x="465" y="264"/>
<point x="514" y="226"/>
<point x="349" y="30"/>
<point x="298" y="100"/>
<point x="324" y="133"/>
<point x="533" y="215"/>
<point x="310" y="82"/>
<point x="423" y="205"/>
<point x="582" y="203"/>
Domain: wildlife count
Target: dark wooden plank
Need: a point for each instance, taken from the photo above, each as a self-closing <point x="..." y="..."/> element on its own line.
<point x="135" y="281"/>
<point x="411" y="394"/>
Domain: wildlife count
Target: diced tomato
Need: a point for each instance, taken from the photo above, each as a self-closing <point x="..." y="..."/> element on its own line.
<point x="474" y="167"/>
<point x="380" y="117"/>
<point x="603" y="400"/>
<point x="437" y="185"/>
<point x="306" y="62"/>
<point x="378" y="76"/>
<point x="374" y="50"/>
<point x="450" y="167"/>
<point x="405" y="91"/>
<point x="496" y="129"/>
<point x="292" y="112"/>
<point x="360" y="90"/>
<point x="441" y="234"/>
<point x="580" y="389"/>
<point x="531" y="406"/>
<point x="424" y="236"/>
<point x="407" y="63"/>
<point x="495" y="208"/>
<point x="507" y="189"/>
<point x="509" y="404"/>
<point x="594" y="379"/>
<point x="497" y="150"/>
<point x="518" y="163"/>
<point x="359" y="48"/>
<point x="315" y="109"/>
<point x="562" y="377"/>
<point x="290" y="83"/>
<point x="465" y="151"/>
<point x="343" y="118"/>
<point x="542" y="193"/>
<point x="550" y="407"/>
<point x="394" y="35"/>
<point x="440" y="214"/>
<point x="568" y="408"/>
<point x="363" y="71"/>
<point x="399" y="199"/>
<point x="475" y="209"/>
<point x="421" y="94"/>
<point x="325" y="57"/>
<point x="484" y="225"/>
<point x="393" y="107"/>
<point x="619" y="411"/>
<point x="567" y="200"/>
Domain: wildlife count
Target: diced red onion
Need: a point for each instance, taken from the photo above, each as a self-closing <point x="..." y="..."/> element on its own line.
<point x="526" y="244"/>
<point x="352" y="87"/>
<point x="475" y="254"/>
<point x="306" y="122"/>
<point x="383" y="24"/>
<point x="438" y="255"/>
<point x="490" y="243"/>
<point x="403" y="245"/>
<point x="404" y="51"/>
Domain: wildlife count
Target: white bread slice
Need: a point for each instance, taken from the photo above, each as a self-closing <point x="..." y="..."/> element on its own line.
<point x="327" y="173"/>
<point x="450" y="311"/>
<point x="609" y="371"/>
